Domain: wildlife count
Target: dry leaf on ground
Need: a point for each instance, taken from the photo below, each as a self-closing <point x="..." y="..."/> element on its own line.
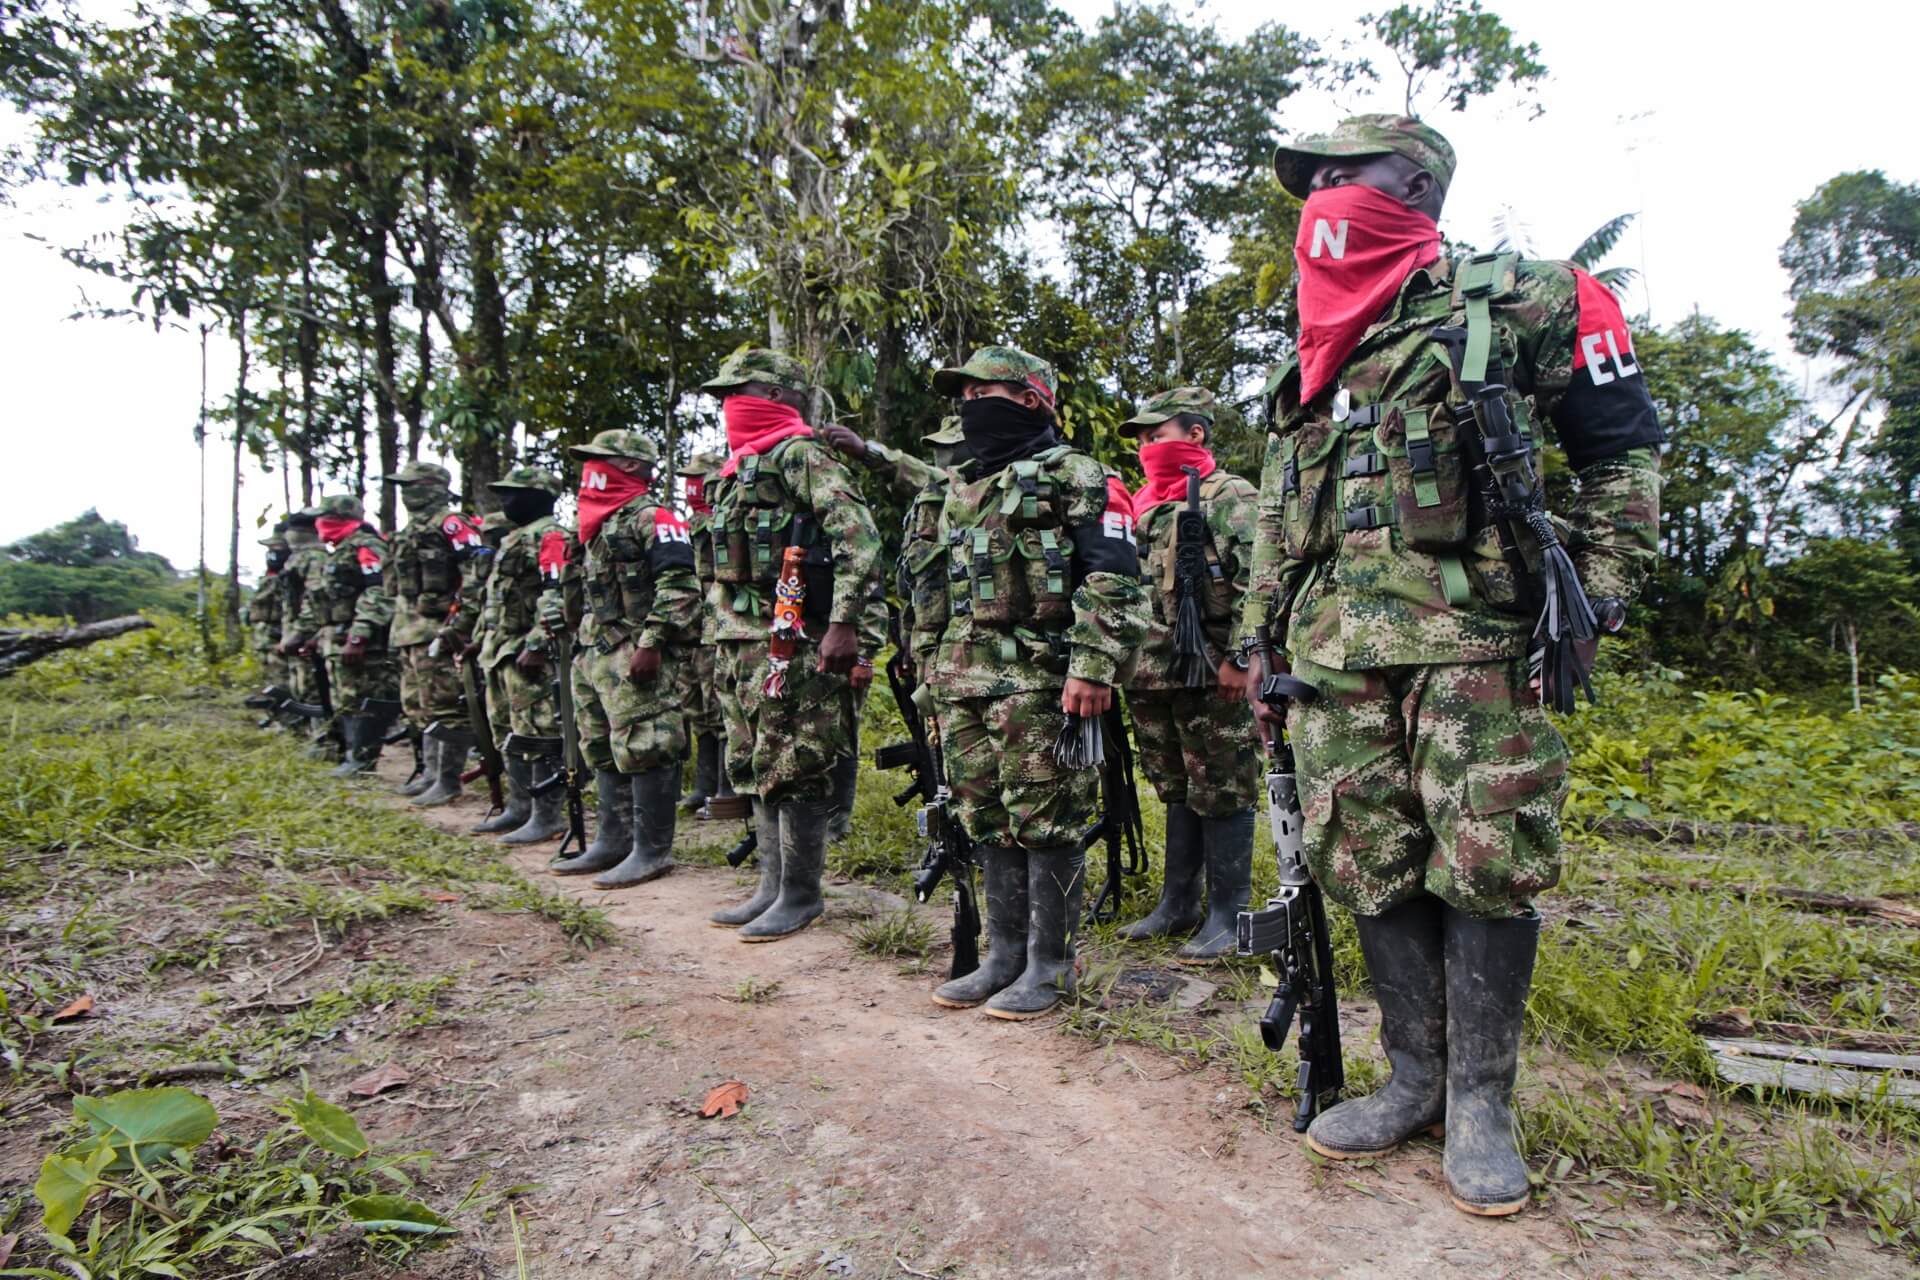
<point x="379" y="1080"/>
<point x="81" y="1008"/>
<point x="724" y="1099"/>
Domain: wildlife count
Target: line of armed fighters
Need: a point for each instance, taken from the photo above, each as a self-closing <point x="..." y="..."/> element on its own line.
<point x="1388" y="618"/>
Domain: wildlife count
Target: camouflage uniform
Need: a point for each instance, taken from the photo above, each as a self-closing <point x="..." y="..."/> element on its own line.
<point x="704" y="721"/>
<point x="476" y="571"/>
<point x="530" y="557"/>
<point x="1431" y="777"/>
<point x="345" y="602"/>
<point x="1044" y="587"/>
<point x="921" y="573"/>
<point x="783" y="750"/>
<point x="264" y="612"/>
<point x="1197" y="748"/>
<point x="305" y="557"/>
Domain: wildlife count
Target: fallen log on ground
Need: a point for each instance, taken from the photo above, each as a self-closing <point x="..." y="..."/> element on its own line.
<point x="18" y="648"/>
<point x="1888" y="909"/>
<point x="1685" y="831"/>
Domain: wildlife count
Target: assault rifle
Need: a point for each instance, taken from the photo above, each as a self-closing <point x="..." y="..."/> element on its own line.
<point x="274" y="699"/>
<point x="1190" y="537"/>
<point x="1508" y="489"/>
<point x="1120" y="827"/>
<point x="482" y="729"/>
<point x="949" y="853"/>
<point x="1292" y="930"/>
<point x="573" y="769"/>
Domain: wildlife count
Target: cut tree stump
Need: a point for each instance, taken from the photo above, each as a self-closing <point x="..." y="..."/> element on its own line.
<point x="18" y="648"/>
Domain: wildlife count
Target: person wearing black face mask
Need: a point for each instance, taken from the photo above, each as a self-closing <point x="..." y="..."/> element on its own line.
<point x="1044" y="610"/>
<point x="514" y="652"/>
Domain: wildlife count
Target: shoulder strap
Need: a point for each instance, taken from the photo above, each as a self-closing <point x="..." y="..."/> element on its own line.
<point x="1476" y="282"/>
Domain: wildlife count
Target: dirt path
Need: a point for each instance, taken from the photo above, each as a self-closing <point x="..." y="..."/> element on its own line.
<point x="888" y="1137"/>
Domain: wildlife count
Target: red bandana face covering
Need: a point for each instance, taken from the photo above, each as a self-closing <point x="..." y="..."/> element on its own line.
<point x="1355" y="249"/>
<point x="334" y="529"/>
<point x="755" y="426"/>
<point x="604" y="489"/>
<point x="697" y="495"/>
<point x="1162" y="461"/>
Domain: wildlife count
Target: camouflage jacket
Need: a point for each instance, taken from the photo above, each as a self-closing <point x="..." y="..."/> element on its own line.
<point x="1232" y="511"/>
<point x="1361" y="564"/>
<point x="700" y="530"/>
<point x="920" y="578"/>
<point x="423" y="577"/>
<point x="798" y="492"/>
<point x="344" y="595"/>
<point x="1043" y="578"/>
<point x="303" y="564"/>
<point x="634" y="580"/>
<point x="530" y="557"/>
<point x="264" y="606"/>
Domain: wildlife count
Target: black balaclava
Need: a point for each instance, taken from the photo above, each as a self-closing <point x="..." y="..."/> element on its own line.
<point x="524" y="506"/>
<point x="1000" y="431"/>
<point x="423" y="499"/>
<point x="277" y="558"/>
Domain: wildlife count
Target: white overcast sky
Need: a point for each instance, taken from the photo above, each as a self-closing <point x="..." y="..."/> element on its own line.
<point x="1708" y="119"/>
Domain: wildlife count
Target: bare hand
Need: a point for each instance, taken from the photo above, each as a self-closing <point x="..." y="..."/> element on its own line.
<point x="838" y="650"/>
<point x="354" y="652"/>
<point x="469" y="651"/>
<point x="844" y="440"/>
<point x="1086" y="698"/>
<point x="1257" y="676"/>
<point x="644" y="666"/>
<point x="531" y="663"/>
<point x="862" y="676"/>
<point x="1233" y="681"/>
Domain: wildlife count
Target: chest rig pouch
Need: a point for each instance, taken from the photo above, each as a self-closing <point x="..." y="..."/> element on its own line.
<point x="1012" y="570"/>
<point x="1169" y="544"/>
<point x="619" y="579"/>
<point x="754" y="524"/>
<point x="922" y="574"/>
<point x="424" y="565"/>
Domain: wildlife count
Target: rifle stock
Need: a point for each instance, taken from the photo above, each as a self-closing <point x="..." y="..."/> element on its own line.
<point x="481" y="727"/>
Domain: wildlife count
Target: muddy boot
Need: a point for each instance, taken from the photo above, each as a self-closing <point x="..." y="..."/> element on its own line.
<point x="766" y="820"/>
<point x="1178" y="910"/>
<point x="1228" y="843"/>
<point x="447" y="760"/>
<point x="846" y="785"/>
<point x="1489" y="968"/>
<point x="1005" y="878"/>
<point x="423" y="781"/>
<point x="612" y="831"/>
<point x="1405" y="963"/>
<point x="803" y="860"/>
<point x="706" y="764"/>
<point x="519" y="782"/>
<point x="545" y="818"/>
<point x="360" y="739"/>
<point x="653" y="820"/>
<point x="1056" y="882"/>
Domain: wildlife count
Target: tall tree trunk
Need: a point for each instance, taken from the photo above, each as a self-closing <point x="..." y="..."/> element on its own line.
<point x="241" y="416"/>
<point x="200" y="441"/>
<point x="308" y="344"/>
<point x="381" y="296"/>
<point x="488" y="369"/>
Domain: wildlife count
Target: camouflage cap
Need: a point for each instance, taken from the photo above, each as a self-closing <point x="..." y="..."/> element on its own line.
<point x="340" y="504"/>
<point x="274" y="539"/>
<point x="420" y="473"/>
<point x="1373" y="135"/>
<point x="703" y="463"/>
<point x="759" y="364"/>
<point x="304" y="517"/>
<point x="1197" y="401"/>
<point x="630" y="445"/>
<point x="1000" y="364"/>
<point x="494" y="522"/>
<point x="530" y="478"/>
<point x="949" y="434"/>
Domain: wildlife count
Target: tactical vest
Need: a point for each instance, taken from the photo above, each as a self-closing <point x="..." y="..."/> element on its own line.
<point x="423" y="563"/>
<point x="263" y="606"/>
<point x="513" y="589"/>
<point x="344" y="581"/>
<point x="617" y="574"/>
<point x="755" y="520"/>
<point x="1012" y="570"/>
<point x="1217" y="600"/>
<point x="1412" y="435"/>
<point x="921" y="575"/>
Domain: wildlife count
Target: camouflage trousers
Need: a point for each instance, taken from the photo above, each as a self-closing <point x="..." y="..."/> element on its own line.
<point x="703" y="698"/>
<point x="1446" y="779"/>
<point x="782" y="749"/>
<point x="1198" y="749"/>
<point x="374" y="678"/>
<point x="517" y="703"/>
<point x="627" y="727"/>
<point x="430" y="687"/>
<point x="274" y="669"/>
<point x="1009" y="791"/>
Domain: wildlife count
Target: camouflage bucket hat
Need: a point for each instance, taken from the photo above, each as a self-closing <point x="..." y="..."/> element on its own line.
<point x="949" y="435"/>
<point x="758" y="364"/>
<point x="340" y="504"/>
<point x="420" y="473"/>
<point x="530" y="478"/>
<point x="630" y="445"/>
<point x="704" y="463"/>
<point x="1000" y="364"/>
<point x="1374" y="135"/>
<point x="1197" y="401"/>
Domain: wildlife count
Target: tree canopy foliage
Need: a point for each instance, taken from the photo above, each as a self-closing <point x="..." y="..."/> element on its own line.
<point x="87" y="569"/>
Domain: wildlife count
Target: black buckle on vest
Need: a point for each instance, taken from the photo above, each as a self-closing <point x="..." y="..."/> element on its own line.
<point x="1420" y="456"/>
<point x="1358" y="518"/>
<point x="1364" y="464"/>
<point x="1290" y="478"/>
<point x="1365" y="416"/>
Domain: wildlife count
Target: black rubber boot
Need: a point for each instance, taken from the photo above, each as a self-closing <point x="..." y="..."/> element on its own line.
<point x="546" y="818"/>
<point x="429" y="769"/>
<point x="448" y="760"/>
<point x="519" y="782"/>
<point x="846" y="786"/>
<point x="360" y="736"/>
<point x="1005" y="877"/>
<point x="1406" y="963"/>
<point x="1228" y="846"/>
<point x="1489" y="968"/>
<point x="1056" y="882"/>
<point x="803" y="860"/>
<point x="706" y="763"/>
<point x="653" y="821"/>
<point x="766" y="825"/>
<point x="612" y="830"/>
<point x="1178" y="910"/>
